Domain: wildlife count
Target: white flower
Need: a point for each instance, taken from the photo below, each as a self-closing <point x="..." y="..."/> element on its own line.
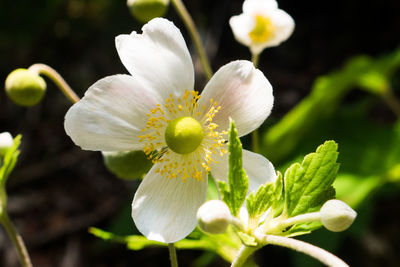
<point x="6" y="141"/>
<point x="261" y="25"/>
<point x="157" y="111"/>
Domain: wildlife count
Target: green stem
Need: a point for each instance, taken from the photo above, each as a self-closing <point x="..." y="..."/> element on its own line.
<point x="243" y="254"/>
<point x="194" y="34"/>
<point x="254" y="135"/>
<point x="16" y="239"/>
<point x="57" y="79"/>
<point x="172" y="255"/>
<point x="392" y="102"/>
<point x="255" y="58"/>
<point x="318" y="253"/>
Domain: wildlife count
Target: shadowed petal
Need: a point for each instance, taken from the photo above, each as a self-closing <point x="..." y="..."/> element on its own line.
<point x="258" y="169"/>
<point x="165" y="209"/>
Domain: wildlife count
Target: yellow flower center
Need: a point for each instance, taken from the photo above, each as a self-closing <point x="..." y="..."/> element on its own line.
<point x="263" y="29"/>
<point x="181" y="138"/>
<point x="184" y="135"/>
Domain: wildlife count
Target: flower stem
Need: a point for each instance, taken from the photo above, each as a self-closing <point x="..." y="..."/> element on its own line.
<point x="392" y="102"/>
<point x="254" y="134"/>
<point x="194" y="34"/>
<point x="172" y="255"/>
<point x="16" y="239"/>
<point x="243" y="254"/>
<point x="57" y="79"/>
<point x="318" y="253"/>
<point x="254" y="59"/>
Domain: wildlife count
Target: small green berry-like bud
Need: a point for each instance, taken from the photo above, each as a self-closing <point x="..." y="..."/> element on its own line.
<point x="25" y="88"/>
<point x="6" y="141"/>
<point x="127" y="165"/>
<point x="336" y="215"/>
<point x="146" y="10"/>
<point x="214" y="217"/>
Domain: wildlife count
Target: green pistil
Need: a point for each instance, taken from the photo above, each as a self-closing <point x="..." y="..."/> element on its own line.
<point x="184" y="135"/>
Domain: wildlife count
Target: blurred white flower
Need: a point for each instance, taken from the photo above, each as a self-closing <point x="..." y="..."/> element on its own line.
<point x="6" y="141"/>
<point x="261" y="25"/>
<point x="156" y="110"/>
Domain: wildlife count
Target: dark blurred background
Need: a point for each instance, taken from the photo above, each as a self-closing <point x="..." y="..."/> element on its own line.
<point x="57" y="191"/>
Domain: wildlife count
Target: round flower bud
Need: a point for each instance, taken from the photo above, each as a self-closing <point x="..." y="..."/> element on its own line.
<point x="214" y="217"/>
<point x="127" y="165"/>
<point x="146" y="10"/>
<point x="6" y="141"/>
<point x="336" y="215"/>
<point x="24" y="87"/>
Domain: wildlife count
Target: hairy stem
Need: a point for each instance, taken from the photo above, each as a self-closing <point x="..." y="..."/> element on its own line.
<point x="16" y="239"/>
<point x="243" y="254"/>
<point x="194" y="34"/>
<point x="53" y="75"/>
<point x="172" y="255"/>
<point x="320" y="254"/>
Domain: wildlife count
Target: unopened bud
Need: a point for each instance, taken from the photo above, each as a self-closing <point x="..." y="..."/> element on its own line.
<point x="146" y="10"/>
<point x="25" y="88"/>
<point x="214" y="217"/>
<point x="6" y="141"/>
<point x="127" y="165"/>
<point x="336" y="215"/>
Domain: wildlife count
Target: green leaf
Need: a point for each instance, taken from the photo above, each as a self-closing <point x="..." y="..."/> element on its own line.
<point x="302" y="229"/>
<point x="309" y="184"/>
<point x="259" y="202"/>
<point x="268" y="195"/>
<point x="247" y="239"/>
<point x="9" y="160"/>
<point x="226" y="245"/>
<point x="234" y="193"/>
<point x="277" y="205"/>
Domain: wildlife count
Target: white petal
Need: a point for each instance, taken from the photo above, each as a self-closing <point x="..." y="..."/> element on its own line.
<point x="259" y="170"/>
<point x="259" y="6"/>
<point x="243" y="93"/>
<point x="158" y="57"/>
<point x="165" y="209"/>
<point x="241" y="26"/>
<point x="111" y="114"/>
<point x="284" y="26"/>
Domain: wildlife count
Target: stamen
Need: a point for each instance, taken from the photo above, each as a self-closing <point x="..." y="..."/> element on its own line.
<point x="192" y="165"/>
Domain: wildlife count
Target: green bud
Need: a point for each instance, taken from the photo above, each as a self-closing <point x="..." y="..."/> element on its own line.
<point x="6" y="141"/>
<point x="146" y="10"/>
<point x="24" y="87"/>
<point x="337" y="216"/>
<point x="127" y="165"/>
<point x="214" y="217"/>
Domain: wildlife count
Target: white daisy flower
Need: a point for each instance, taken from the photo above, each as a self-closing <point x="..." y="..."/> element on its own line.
<point x="155" y="109"/>
<point x="261" y="25"/>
